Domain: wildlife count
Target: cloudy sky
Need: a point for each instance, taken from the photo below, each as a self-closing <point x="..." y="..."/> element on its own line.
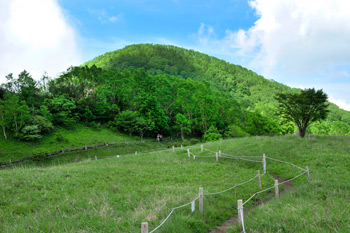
<point x="296" y="42"/>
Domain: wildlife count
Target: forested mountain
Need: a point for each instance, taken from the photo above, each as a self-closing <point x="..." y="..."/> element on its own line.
<point x="149" y="89"/>
<point x="252" y="91"/>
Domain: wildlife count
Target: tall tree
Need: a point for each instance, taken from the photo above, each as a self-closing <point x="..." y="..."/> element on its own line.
<point x="304" y="108"/>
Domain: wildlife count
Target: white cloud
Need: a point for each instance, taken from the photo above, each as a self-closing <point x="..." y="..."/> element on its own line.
<point x="34" y="35"/>
<point x="306" y="41"/>
<point x="341" y="103"/>
<point x="299" y="36"/>
<point x="103" y="16"/>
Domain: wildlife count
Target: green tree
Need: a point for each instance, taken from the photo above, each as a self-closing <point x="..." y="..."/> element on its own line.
<point x="304" y="108"/>
<point x="182" y="124"/>
<point x="143" y="125"/>
<point x="126" y="121"/>
<point x="3" y="117"/>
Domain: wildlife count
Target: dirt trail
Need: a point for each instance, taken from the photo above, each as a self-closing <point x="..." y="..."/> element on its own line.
<point x="233" y="220"/>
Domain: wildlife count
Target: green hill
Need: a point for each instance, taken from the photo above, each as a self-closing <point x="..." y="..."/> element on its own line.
<point x="252" y="90"/>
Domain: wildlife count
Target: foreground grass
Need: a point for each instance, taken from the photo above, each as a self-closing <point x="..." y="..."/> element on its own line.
<point x="61" y="139"/>
<point x="320" y="205"/>
<point x="117" y="194"/>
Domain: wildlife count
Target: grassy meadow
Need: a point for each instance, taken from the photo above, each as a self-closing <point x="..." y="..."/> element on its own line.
<point x="117" y="194"/>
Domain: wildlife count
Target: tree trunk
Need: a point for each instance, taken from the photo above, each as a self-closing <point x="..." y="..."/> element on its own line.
<point x="302" y="132"/>
<point x="182" y="134"/>
<point x="3" y="126"/>
<point x="3" y="129"/>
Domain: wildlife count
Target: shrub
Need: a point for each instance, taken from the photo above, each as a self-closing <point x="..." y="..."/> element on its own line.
<point x="235" y="131"/>
<point x="212" y="134"/>
<point x="44" y="125"/>
<point x="30" y="133"/>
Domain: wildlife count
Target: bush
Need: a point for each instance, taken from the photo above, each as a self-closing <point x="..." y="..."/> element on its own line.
<point x="44" y="125"/>
<point x="235" y="131"/>
<point x="30" y="133"/>
<point x="194" y="141"/>
<point x="212" y="134"/>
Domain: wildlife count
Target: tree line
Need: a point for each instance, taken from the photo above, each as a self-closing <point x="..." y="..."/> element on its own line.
<point x="132" y="101"/>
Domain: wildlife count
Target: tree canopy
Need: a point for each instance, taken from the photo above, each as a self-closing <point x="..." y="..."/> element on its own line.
<point x="303" y="108"/>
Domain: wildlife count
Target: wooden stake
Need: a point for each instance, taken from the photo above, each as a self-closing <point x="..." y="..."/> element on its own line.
<point x="219" y="153"/>
<point x="264" y="163"/>
<point x="173" y="148"/>
<point x="144" y="227"/>
<point x="217" y="157"/>
<point x="188" y="152"/>
<point x="135" y="152"/>
<point x="307" y="172"/>
<point x="276" y="188"/>
<point x="95" y="157"/>
<point x="202" y="148"/>
<point x="182" y="147"/>
<point x="85" y="147"/>
<point x="240" y="213"/>
<point x="201" y="200"/>
<point x="259" y="180"/>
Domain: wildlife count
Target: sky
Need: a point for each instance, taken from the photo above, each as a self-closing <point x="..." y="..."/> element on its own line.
<point x="300" y="43"/>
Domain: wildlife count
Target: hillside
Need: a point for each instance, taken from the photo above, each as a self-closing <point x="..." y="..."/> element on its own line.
<point x="252" y="90"/>
<point x="117" y="194"/>
<point x="147" y="90"/>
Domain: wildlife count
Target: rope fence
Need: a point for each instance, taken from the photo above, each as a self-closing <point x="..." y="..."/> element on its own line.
<point x="240" y="203"/>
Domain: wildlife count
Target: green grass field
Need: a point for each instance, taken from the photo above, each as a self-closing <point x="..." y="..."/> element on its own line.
<point x="60" y="139"/>
<point x="117" y="194"/>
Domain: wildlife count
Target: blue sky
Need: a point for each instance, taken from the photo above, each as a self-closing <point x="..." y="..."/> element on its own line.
<point x="300" y="43"/>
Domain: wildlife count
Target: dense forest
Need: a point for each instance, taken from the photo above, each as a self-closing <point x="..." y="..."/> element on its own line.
<point x="149" y="89"/>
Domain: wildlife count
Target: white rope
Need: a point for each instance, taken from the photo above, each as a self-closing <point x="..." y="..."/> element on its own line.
<point x="244" y="156"/>
<point x="242" y="220"/>
<point x="163" y="221"/>
<point x="241" y="159"/>
<point x="171" y="212"/>
<point x="186" y="204"/>
<point x="199" y="156"/>
<point x="209" y="150"/>
<point x="286" y="163"/>
<point x="273" y="187"/>
<point x="286" y="181"/>
<point x="207" y="194"/>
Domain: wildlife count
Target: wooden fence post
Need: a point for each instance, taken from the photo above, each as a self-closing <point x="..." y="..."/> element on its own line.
<point x="144" y="227"/>
<point x="85" y="147"/>
<point x="182" y="147"/>
<point x="307" y="172"/>
<point x="135" y="152"/>
<point x="173" y="148"/>
<point x="202" y="148"/>
<point x="240" y="213"/>
<point x="259" y="180"/>
<point x="264" y="163"/>
<point x="219" y="153"/>
<point x="200" y="200"/>
<point x="194" y="157"/>
<point x="276" y="188"/>
<point x="95" y="157"/>
<point x="217" y="157"/>
<point x="188" y="152"/>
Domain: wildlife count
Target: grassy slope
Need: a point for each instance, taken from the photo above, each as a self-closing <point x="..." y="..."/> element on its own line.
<point x="116" y="195"/>
<point x="61" y="139"/>
<point x="321" y="205"/>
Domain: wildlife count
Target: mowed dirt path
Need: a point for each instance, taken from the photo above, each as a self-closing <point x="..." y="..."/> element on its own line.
<point x="233" y="220"/>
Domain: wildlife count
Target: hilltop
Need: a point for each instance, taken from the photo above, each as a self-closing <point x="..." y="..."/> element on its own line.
<point x="252" y="90"/>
